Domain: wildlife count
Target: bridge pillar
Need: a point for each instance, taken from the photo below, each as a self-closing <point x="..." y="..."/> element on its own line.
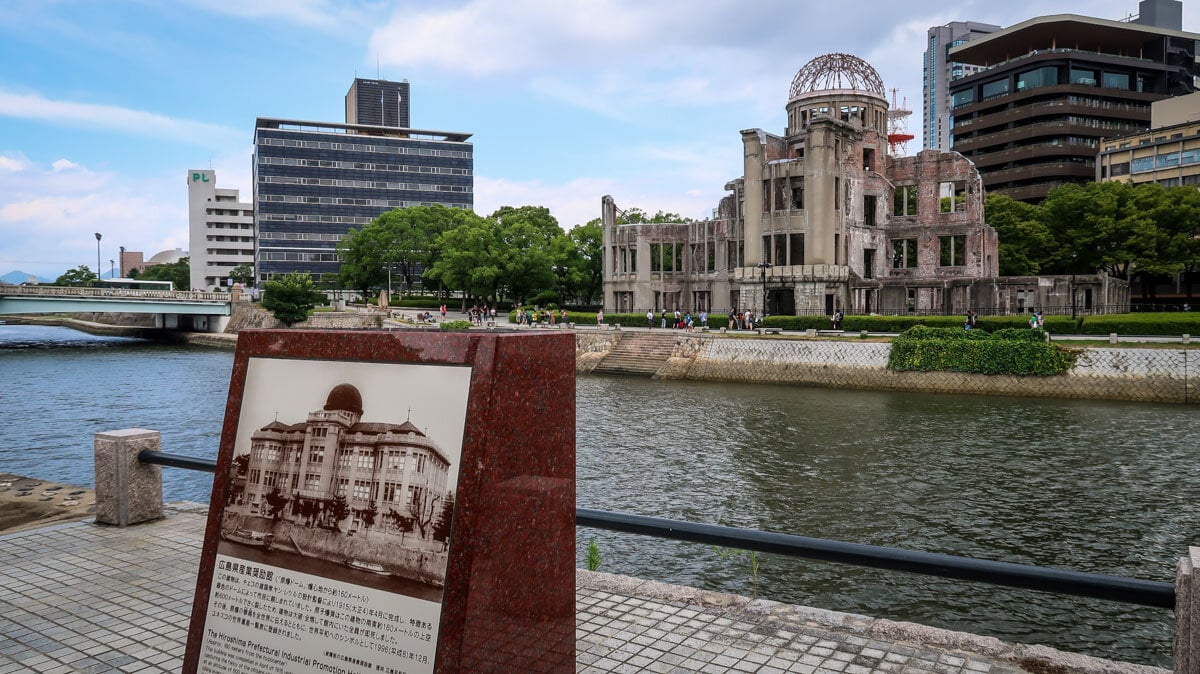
<point x="127" y="490"/>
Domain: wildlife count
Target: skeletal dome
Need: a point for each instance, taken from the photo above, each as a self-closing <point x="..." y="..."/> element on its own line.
<point x="346" y="398"/>
<point x="836" y="71"/>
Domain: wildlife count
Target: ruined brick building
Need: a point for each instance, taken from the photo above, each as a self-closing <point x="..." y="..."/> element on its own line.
<point x="825" y="219"/>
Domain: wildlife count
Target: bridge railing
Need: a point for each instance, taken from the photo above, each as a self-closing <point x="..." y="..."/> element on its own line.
<point x="138" y="453"/>
<point x="122" y="293"/>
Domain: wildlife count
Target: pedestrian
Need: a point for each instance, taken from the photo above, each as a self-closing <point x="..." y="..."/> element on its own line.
<point x="1033" y="321"/>
<point x="836" y="319"/>
<point x="687" y="322"/>
<point x="732" y="320"/>
<point x="703" y="318"/>
<point x="664" y="318"/>
<point x="600" y="317"/>
<point x="678" y="318"/>
<point x="650" y="319"/>
<point x="1041" y="320"/>
<point x="563" y="315"/>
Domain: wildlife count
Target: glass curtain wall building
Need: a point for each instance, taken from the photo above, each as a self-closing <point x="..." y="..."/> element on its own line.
<point x="313" y="181"/>
<point x="939" y="71"/>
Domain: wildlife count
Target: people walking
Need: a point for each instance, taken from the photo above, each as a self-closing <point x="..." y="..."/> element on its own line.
<point x="650" y="319"/>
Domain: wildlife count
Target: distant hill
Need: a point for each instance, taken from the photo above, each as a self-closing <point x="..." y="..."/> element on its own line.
<point x="17" y="276"/>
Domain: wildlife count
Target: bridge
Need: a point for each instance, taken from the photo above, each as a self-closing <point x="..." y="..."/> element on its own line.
<point x="208" y="311"/>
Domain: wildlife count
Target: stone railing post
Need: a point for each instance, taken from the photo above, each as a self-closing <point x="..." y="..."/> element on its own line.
<point x="1186" y="647"/>
<point x="127" y="490"/>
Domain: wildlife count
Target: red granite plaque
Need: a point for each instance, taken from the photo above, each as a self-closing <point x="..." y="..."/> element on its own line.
<point x="396" y="502"/>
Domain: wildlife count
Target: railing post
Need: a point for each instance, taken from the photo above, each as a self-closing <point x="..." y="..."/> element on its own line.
<point x="127" y="490"/>
<point x="1186" y="647"/>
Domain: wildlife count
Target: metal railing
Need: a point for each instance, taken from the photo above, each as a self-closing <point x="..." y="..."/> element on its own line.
<point x="1056" y="581"/>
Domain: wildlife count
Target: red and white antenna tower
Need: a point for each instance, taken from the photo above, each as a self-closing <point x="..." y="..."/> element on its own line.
<point x="898" y="135"/>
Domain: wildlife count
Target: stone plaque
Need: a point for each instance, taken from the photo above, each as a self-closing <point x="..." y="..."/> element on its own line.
<point x="398" y="502"/>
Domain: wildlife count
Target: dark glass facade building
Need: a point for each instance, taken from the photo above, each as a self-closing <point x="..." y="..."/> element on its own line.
<point x="313" y="181"/>
<point x="378" y="103"/>
<point x="1054" y="86"/>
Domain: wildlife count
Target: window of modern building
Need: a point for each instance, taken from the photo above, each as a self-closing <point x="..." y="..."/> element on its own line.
<point x="1167" y="160"/>
<point x="904" y="253"/>
<point x="1116" y="81"/>
<point x="1121" y="169"/>
<point x="1142" y="164"/>
<point x="994" y="89"/>
<point x="963" y="98"/>
<point x="1189" y="157"/>
<point x="953" y="251"/>
<point x="1083" y="76"/>
<point x="1039" y="77"/>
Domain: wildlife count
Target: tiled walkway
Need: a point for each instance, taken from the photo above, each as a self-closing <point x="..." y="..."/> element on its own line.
<point x="81" y="597"/>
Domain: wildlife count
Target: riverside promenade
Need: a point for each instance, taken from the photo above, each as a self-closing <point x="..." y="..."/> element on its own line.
<point x="81" y="597"/>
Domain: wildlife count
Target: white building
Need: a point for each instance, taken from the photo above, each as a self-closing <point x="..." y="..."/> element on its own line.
<point x="220" y="231"/>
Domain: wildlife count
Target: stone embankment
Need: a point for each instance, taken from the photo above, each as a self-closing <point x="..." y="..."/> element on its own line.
<point x="1151" y="374"/>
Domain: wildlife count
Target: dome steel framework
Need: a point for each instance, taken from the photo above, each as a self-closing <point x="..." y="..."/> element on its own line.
<point x="836" y="71"/>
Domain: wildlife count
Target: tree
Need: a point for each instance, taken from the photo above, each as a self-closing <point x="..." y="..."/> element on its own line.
<point x="80" y="276"/>
<point x="441" y="529"/>
<point x="178" y="273"/>
<point x="525" y="239"/>
<point x="424" y="507"/>
<point x="404" y="240"/>
<point x="291" y="297"/>
<point x="1025" y="242"/>
<point x="582" y="257"/>
<point x="337" y="511"/>
<point x="468" y="259"/>
<point x="367" y="515"/>
<point x="241" y="464"/>
<point x="276" y="502"/>
<point x="243" y="274"/>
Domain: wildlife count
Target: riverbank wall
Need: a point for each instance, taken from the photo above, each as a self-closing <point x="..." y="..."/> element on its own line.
<point x="1149" y="375"/>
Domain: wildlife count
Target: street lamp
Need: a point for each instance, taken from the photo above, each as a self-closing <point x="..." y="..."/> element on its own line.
<point x="764" y="266"/>
<point x="112" y="268"/>
<point x="1074" y="255"/>
<point x="97" y="256"/>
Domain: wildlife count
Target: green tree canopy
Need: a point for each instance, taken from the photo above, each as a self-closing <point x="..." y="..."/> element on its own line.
<point x="1025" y="242"/>
<point x="468" y="258"/>
<point x="178" y="273"/>
<point x="243" y="274"/>
<point x="291" y="297"/>
<point x="78" y="276"/>
<point x="404" y="239"/>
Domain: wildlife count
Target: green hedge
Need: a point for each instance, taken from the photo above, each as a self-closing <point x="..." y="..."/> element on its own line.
<point x="1165" y="323"/>
<point x="1010" y="351"/>
<point x="455" y="325"/>
<point x="1054" y="324"/>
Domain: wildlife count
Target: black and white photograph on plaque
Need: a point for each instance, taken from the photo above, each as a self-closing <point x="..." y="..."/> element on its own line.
<point x="348" y="470"/>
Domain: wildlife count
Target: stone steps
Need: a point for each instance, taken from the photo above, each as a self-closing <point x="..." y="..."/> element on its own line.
<point x="640" y="354"/>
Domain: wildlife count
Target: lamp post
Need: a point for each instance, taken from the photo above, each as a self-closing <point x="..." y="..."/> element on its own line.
<point x="1074" y="255"/>
<point x="764" y="266"/>
<point x="112" y="268"/>
<point x="98" y="256"/>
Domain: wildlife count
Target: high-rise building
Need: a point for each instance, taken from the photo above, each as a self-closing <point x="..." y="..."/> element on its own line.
<point x="313" y="181"/>
<point x="1055" y="85"/>
<point x="220" y="231"/>
<point x="378" y="103"/>
<point x="937" y="74"/>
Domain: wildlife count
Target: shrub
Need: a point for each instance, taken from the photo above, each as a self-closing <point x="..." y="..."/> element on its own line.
<point x="1011" y="351"/>
<point x="455" y="325"/>
<point x="1166" y="323"/>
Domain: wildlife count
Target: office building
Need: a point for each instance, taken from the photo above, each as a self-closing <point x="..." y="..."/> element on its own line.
<point x="1055" y="85"/>
<point x="937" y="73"/>
<point x="313" y="181"/>
<point x="378" y="103"/>
<point x="220" y="231"/>
<point x="1167" y="154"/>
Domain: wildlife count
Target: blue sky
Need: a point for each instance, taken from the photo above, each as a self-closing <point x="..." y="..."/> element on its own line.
<point x="104" y="107"/>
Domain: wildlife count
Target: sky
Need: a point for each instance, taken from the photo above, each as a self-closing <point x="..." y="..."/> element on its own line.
<point x="105" y="107"/>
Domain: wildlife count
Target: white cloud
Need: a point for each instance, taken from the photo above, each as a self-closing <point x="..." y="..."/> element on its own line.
<point x="320" y="14"/>
<point x="14" y="163"/>
<point x="48" y="217"/>
<point x="64" y="165"/>
<point x="115" y="118"/>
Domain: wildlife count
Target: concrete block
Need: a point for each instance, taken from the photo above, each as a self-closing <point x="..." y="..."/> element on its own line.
<point x="127" y="490"/>
<point x="811" y="332"/>
<point x="1112" y="338"/>
<point x="1186" y="646"/>
<point x="1187" y="339"/>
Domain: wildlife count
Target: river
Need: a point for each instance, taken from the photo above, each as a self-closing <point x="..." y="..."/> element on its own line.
<point x="1105" y="487"/>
